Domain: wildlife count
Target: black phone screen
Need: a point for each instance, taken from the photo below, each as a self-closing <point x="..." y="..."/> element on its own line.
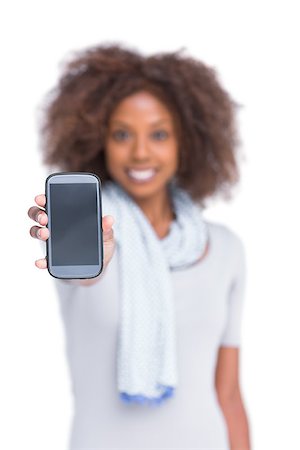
<point x="74" y="226"/>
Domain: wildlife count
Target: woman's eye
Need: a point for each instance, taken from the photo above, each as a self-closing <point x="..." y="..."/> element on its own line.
<point x="120" y="135"/>
<point x="160" y="135"/>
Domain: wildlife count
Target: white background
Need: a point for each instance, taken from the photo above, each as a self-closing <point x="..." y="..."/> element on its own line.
<point x="255" y="48"/>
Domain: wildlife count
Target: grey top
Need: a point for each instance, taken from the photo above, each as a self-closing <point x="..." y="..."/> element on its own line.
<point x="208" y="299"/>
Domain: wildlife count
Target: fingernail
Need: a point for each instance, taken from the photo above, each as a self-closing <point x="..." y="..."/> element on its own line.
<point x="38" y="233"/>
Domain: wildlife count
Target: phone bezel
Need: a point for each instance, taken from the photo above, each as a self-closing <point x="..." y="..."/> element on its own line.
<point x="76" y="271"/>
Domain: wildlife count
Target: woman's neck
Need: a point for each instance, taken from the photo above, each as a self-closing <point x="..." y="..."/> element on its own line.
<point x="159" y="211"/>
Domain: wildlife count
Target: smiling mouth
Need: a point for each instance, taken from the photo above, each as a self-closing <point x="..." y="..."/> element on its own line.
<point x="141" y="176"/>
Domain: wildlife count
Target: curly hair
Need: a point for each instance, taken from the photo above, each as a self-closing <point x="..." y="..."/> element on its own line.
<point x="95" y="80"/>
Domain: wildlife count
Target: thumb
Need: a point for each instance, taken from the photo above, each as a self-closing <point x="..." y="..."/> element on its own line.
<point x="107" y="223"/>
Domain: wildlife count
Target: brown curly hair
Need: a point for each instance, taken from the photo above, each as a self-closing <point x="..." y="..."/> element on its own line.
<point x="95" y="80"/>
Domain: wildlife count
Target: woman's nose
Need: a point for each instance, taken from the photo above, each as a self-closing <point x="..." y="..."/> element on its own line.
<point x="140" y="148"/>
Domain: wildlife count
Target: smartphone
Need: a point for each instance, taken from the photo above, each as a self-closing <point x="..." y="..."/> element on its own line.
<point x="73" y="206"/>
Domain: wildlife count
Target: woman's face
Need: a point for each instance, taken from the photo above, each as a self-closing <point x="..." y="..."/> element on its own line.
<point x="142" y="146"/>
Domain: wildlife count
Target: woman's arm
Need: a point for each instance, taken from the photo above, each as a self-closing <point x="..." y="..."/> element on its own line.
<point x="230" y="399"/>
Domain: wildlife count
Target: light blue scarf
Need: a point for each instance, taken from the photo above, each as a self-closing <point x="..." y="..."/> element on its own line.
<point x="147" y="359"/>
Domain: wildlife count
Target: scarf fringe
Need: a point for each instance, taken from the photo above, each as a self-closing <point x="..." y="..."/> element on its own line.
<point x="150" y="401"/>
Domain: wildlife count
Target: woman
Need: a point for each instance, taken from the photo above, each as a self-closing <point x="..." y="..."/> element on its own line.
<point x="160" y="133"/>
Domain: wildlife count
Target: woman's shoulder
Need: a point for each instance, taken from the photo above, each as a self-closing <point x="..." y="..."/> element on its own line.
<point x="225" y="237"/>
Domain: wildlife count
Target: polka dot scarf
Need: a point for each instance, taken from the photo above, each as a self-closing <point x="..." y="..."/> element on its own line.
<point x="146" y="357"/>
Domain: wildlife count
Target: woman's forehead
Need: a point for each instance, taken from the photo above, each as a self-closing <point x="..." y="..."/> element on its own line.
<point x="142" y="106"/>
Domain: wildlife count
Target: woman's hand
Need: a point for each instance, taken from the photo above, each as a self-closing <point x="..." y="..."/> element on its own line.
<point x="38" y="214"/>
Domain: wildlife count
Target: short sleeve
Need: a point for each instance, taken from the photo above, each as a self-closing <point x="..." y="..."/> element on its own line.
<point x="235" y="298"/>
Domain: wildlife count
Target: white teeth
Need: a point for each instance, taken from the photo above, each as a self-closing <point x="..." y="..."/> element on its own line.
<point x="141" y="174"/>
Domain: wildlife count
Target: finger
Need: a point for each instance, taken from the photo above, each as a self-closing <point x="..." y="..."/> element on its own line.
<point x="107" y="223"/>
<point x="41" y="263"/>
<point x="40" y="200"/>
<point x="39" y="233"/>
<point x="38" y="215"/>
<point x="108" y="232"/>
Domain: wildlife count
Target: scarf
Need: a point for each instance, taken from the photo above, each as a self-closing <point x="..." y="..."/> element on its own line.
<point x="146" y="351"/>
